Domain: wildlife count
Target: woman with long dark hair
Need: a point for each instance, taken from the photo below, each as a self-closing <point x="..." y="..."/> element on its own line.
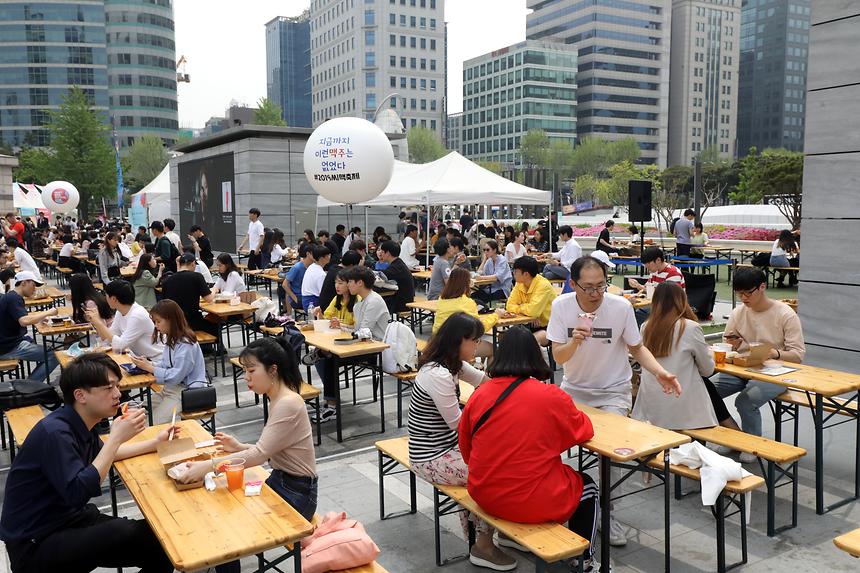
<point x="515" y="467"/>
<point x="145" y="280"/>
<point x="109" y="259"/>
<point x="278" y="249"/>
<point x="84" y="295"/>
<point x="454" y="299"/>
<point x="783" y="248"/>
<point x="434" y="417"/>
<point x="539" y="241"/>
<point x="266" y="248"/>
<point x="229" y="277"/>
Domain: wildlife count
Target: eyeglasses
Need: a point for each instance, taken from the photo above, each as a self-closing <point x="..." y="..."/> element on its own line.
<point x="743" y="293"/>
<point x="599" y="289"/>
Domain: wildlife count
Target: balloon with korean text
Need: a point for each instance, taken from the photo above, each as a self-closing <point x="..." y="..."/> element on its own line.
<point x="348" y="160"/>
<point x="60" y="197"/>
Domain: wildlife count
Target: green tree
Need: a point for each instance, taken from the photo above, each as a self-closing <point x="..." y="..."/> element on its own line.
<point x="719" y="181"/>
<point x="616" y="190"/>
<point x="559" y="158"/>
<point x="145" y="160"/>
<point x="269" y="113"/>
<point x="491" y="166"/>
<point x="589" y="187"/>
<point x="80" y="151"/>
<point x="35" y="165"/>
<point x="533" y="148"/>
<point x="594" y="155"/>
<point x="774" y="176"/>
<point x="424" y="145"/>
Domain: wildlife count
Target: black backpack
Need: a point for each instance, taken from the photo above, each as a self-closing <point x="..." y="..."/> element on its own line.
<point x="21" y="393"/>
<point x="761" y="260"/>
<point x="294" y="339"/>
<point x="169" y="264"/>
<point x="672" y="225"/>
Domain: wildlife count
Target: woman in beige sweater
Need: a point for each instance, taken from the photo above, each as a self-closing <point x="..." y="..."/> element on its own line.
<point x="271" y="368"/>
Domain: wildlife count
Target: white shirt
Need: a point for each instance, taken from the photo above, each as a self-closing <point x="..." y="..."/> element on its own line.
<point x="234" y="283"/>
<point x="407" y="252"/>
<point x="26" y="263"/>
<point x="599" y="372"/>
<point x="313" y="281"/>
<point x="255" y="234"/>
<point x="277" y="253"/>
<point x="67" y="250"/>
<point x="125" y="251"/>
<point x="207" y="276"/>
<point x="511" y="252"/>
<point x="568" y="253"/>
<point x="174" y="238"/>
<point x="775" y="250"/>
<point x="134" y="332"/>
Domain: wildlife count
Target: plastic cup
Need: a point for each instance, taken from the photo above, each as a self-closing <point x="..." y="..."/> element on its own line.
<point x="235" y="470"/>
<point x="720" y="350"/>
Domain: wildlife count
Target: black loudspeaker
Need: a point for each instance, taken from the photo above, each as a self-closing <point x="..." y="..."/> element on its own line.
<point x="639" y="203"/>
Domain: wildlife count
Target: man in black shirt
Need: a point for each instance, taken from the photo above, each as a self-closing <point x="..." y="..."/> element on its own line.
<point x="48" y="523"/>
<point x="14" y="321"/>
<point x="201" y="245"/>
<point x="185" y="288"/>
<point x="339" y="237"/>
<point x="604" y="240"/>
<point x="326" y="241"/>
<point x="389" y="252"/>
<point x="165" y="252"/>
<point x="327" y="293"/>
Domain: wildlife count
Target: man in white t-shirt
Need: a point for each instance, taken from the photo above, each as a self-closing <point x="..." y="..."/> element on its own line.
<point x="22" y="258"/>
<point x="565" y="257"/>
<point x="254" y="238"/>
<point x="314" y="277"/>
<point x="131" y="327"/>
<point x="591" y="334"/>
<point x="172" y="235"/>
<point x="408" y="247"/>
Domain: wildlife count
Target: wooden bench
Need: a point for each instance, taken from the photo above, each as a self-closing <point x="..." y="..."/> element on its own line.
<point x="781" y="464"/>
<point x="310" y="394"/>
<point x="205" y="417"/>
<point x="370" y="568"/>
<point x="734" y="494"/>
<point x="405" y="381"/>
<point x="64" y="274"/>
<point x="548" y="542"/>
<point x="204" y="337"/>
<point x="20" y="421"/>
<point x="789" y="402"/>
<point x="849" y="542"/>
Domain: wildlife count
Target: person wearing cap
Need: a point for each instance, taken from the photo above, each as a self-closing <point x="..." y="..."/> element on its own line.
<point x="14" y="320"/>
<point x="600" y="256"/>
<point x="22" y="258"/>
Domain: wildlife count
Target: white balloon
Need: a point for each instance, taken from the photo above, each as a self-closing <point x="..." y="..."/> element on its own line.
<point x="348" y="160"/>
<point x="60" y="197"/>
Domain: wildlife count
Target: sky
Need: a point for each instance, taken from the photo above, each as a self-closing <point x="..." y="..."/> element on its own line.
<point x="224" y="42"/>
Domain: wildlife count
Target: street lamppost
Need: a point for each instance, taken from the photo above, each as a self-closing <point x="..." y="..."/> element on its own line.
<point x="382" y="103"/>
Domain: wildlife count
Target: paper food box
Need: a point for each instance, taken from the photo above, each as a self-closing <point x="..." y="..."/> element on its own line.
<point x="756" y="356"/>
<point x="179" y="451"/>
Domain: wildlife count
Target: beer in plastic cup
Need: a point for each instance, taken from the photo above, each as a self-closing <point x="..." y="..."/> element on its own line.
<point x="235" y="470"/>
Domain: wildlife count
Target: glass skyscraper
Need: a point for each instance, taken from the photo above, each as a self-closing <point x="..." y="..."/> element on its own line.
<point x="772" y="89"/>
<point x="45" y="49"/>
<point x="288" y="67"/>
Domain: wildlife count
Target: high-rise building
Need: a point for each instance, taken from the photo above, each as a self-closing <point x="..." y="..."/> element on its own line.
<point x="142" y="69"/>
<point x="45" y="49"/>
<point x="288" y="67"/>
<point x="623" y="59"/>
<point x="453" y="136"/>
<point x="703" y="98"/>
<point x="772" y="90"/>
<point x="363" y="51"/>
<point x="506" y="93"/>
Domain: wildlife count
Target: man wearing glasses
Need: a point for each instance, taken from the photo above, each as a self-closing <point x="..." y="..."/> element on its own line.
<point x="759" y="319"/>
<point x="591" y="333"/>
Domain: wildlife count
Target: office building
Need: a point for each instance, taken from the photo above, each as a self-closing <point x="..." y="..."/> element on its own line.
<point x="508" y="92"/>
<point x="453" y="135"/>
<point x="772" y="90"/>
<point x="288" y="67"/>
<point x="363" y="51"/>
<point x="45" y="49"/>
<point x="703" y="98"/>
<point x="142" y="69"/>
<point x="623" y="60"/>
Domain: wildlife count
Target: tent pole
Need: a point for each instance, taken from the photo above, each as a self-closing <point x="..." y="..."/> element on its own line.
<point x="427" y="233"/>
<point x="366" y="230"/>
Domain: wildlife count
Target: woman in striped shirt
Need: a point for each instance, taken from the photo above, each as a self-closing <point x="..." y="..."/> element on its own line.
<point x="434" y="414"/>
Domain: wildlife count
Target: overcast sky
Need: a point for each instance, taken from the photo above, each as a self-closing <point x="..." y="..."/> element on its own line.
<point x="224" y="42"/>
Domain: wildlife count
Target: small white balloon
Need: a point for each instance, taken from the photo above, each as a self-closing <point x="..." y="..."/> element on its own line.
<point x="348" y="160"/>
<point x="60" y="197"/>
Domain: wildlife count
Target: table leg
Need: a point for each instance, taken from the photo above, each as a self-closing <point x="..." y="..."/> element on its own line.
<point x="857" y="452"/>
<point x="148" y="392"/>
<point x="45" y="347"/>
<point x="818" y="420"/>
<point x="605" y="496"/>
<point x="378" y="361"/>
<point x="332" y="371"/>
<point x="666" y="495"/>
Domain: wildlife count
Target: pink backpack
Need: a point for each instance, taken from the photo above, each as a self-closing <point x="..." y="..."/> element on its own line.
<point x="337" y="543"/>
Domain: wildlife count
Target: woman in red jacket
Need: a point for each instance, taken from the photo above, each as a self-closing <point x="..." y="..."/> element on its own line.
<point x="515" y="468"/>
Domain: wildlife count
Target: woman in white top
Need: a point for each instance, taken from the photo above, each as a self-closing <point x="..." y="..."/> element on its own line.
<point x="676" y="340"/>
<point x="783" y="248"/>
<point x="278" y="247"/>
<point x="516" y="248"/>
<point x="229" y="279"/>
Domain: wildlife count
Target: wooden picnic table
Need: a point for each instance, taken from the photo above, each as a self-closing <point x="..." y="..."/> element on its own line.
<point x="53" y="336"/>
<point x="324" y="341"/>
<point x="821" y="387"/>
<point x="427" y="308"/>
<point x="199" y="529"/>
<point x="226" y="313"/>
<point x="849" y="542"/>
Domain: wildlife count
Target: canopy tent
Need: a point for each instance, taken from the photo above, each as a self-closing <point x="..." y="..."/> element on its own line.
<point x="152" y="203"/>
<point x="26" y="196"/>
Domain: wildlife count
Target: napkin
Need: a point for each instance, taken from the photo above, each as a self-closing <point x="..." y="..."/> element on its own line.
<point x="715" y="470"/>
<point x="177" y="471"/>
<point x="209" y="481"/>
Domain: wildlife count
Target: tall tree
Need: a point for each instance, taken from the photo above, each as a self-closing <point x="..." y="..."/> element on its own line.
<point x="719" y="180"/>
<point x="594" y="155"/>
<point x="269" y="113"/>
<point x="774" y="176"/>
<point x="81" y="153"/>
<point x="492" y="166"/>
<point x="35" y="165"/>
<point x="145" y="160"/>
<point x="616" y="190"/>
<point x="424" y="145"/>
<point x="534" y="151"/>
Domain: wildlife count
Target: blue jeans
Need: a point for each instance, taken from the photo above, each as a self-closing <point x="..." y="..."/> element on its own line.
<point x="752" y="395"/>
<point x="32" y="352"/>
<point x="556" y="272"/>
<point x="779" y="261"/>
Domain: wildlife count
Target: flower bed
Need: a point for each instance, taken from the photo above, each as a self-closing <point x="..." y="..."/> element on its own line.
<point x="729" y="232"/>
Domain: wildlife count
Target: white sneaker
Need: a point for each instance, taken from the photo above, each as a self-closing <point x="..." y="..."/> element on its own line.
<point x="617" y="534"/>
<point x="746" y="458"/>
<point x="722" y="450"/>
<point x="504" y="541"/>
<point x="592" y="566"/>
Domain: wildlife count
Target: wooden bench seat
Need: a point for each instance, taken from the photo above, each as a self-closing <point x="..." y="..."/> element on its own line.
<point x="781" y="464"/>
<point x="849" y="542"/>
<point x="549" y="542"/>
<point x="205" y="337"/>
<point x="20" y="422"/>
<point x="846" y="407"/>
<point x="370" y="568"/>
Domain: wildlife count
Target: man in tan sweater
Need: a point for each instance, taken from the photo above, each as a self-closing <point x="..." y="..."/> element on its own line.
<point x="759" y="319"/>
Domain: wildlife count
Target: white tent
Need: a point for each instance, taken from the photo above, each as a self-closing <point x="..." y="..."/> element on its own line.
<point x="152" y="203"/>
<point x="26" y="196"/>
<point x="450" y="180"/>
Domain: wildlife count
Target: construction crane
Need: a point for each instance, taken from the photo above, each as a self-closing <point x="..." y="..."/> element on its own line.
<point x="181" y="76"/>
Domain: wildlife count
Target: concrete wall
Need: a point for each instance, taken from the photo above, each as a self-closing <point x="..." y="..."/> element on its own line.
<point x="6" y="165"/>
<point x="830" y="277"/>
